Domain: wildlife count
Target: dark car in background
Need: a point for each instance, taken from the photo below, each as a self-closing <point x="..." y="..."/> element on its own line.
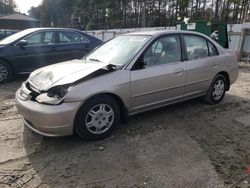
<point x="6" y="32"/>
<point x="27" y="50"/>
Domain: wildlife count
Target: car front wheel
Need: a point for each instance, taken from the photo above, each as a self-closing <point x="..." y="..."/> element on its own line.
<point x="97" y="118"/>
<point x="5" y="72"/>
<point x="217" y="90"/>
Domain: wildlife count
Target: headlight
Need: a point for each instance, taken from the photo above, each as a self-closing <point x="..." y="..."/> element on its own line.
<point x="53" y="96"/>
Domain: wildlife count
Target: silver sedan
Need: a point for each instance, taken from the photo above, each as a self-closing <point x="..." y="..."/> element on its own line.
<point x="129" y="74"/>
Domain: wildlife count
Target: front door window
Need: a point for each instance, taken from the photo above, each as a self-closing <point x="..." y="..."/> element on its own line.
<point x="162" y="51"/>
<point x="41" y="39"/>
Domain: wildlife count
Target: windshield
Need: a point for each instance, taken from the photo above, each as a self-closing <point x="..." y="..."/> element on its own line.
<point x="120" y="50"/>
<point x="15" y="36"/>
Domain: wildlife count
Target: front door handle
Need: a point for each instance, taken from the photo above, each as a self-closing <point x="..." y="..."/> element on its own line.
<point x="53" y="48"/>
<point x="179" y="71"/>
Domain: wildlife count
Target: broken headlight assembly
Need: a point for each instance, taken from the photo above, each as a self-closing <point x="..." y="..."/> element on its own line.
<point x="53" y="96"/>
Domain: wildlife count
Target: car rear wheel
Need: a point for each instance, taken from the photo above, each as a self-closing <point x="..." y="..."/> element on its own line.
<point x="5" y="72"/>
<point x="217" y="90"/>
<point x="97" y="118"/>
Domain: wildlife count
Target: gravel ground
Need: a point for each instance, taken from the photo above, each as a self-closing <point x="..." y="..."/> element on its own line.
<point x="189" y="144"/>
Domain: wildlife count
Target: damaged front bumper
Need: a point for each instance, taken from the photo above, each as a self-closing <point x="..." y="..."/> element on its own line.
<point x="48" y="120"/>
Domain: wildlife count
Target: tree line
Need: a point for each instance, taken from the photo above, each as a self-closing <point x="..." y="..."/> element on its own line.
<point x="108" y="14"/>
<point x="7" y="6"/>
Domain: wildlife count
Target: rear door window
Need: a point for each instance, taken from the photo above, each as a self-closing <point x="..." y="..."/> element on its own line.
<point x="196" y="47"/>
<point x="69" y="37"/>
<point x="212" y="49"/>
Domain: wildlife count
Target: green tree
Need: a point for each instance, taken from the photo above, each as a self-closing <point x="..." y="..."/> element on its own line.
<point x="106" y="14"/>
<point x="7" y="6"/>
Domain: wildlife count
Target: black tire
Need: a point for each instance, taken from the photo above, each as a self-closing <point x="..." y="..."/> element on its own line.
<point x="83" y="116"/>
<point x="211" y="97"/>
<point x="6" y="72"/>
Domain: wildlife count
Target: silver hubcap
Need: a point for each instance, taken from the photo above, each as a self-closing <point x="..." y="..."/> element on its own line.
<point x="3" y="72"/>
<point x="99" y="119"/>
<point x="218" y="89"/>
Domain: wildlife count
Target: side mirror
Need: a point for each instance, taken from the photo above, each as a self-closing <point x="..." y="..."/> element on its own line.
<point x="22" y="43"/>
<point x="140" y="64"/>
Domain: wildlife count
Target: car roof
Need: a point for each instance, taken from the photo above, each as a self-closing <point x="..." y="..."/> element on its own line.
<point x="49" y="28"/>
<point x="160" y="32"/>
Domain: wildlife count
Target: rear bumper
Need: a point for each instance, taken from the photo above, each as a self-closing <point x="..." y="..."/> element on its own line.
<point x="48" y="120"/>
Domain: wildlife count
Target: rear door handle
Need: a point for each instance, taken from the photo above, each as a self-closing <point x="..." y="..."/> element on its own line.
<point x="215" y="66"/>
<point x="179" y="71"/>
<point x="87" y="46"/>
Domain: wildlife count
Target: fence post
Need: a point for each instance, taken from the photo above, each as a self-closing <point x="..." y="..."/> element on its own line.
<point x="103" y="35"/>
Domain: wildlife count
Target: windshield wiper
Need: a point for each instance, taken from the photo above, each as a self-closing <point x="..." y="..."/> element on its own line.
<point x="109" y="66"/>
<point x="97" y="60"/>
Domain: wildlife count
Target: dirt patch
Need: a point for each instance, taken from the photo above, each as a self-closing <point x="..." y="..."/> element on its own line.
<point x="189" y="144"/>
<point x="8" y="110"/>
<point x="7" y="91"/>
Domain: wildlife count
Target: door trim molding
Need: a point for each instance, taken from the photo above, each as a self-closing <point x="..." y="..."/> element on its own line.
<point x="157" y="91"/>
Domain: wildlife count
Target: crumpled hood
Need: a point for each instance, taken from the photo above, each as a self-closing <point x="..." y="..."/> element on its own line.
<point x="62" y="73"/>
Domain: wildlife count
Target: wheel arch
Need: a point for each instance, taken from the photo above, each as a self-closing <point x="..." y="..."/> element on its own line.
<point x="9" y="62"/>
<point x="226" y="75"/>
<point x="122" y="107"/>
<point x="121" y="104"/>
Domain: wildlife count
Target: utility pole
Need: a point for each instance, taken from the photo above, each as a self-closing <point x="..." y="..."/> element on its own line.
<point x="216" y="15"/>
<point x="211" y="10"/>
<point x="246" y="12"/>
<point x="144" y="15"/>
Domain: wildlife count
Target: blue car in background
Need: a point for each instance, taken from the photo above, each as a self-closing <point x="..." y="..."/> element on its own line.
<point x="30" y="49"/>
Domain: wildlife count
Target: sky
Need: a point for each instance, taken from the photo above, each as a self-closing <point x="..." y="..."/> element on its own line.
<point x="24" y="5"/>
